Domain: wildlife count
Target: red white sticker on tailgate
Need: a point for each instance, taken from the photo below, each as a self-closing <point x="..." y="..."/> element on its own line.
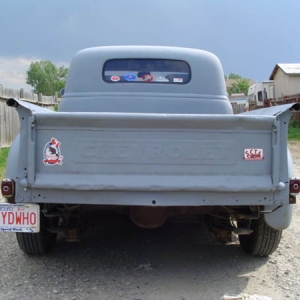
<point x="253" y="154"/>
<point x="19" y="217"/>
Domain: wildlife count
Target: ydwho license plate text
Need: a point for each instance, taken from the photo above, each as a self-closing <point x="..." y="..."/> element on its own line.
<point x="19" y="217"/>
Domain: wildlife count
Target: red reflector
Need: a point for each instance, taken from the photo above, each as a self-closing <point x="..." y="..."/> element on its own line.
<point x="7" y="188"/>
<point x="295" y="186"/>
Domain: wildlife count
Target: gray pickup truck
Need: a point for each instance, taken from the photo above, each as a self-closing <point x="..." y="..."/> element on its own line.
<point x="149" y="132"/>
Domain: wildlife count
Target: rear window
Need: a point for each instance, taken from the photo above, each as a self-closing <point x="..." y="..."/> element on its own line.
<point x="165" y="71"/>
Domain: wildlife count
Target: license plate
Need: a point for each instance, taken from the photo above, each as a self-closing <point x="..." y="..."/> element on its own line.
<point x="19" y="217"/>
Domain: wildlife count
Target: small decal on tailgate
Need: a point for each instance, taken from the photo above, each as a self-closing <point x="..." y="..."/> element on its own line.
<point x="52" y="154"/>
<point x="253" y="154"/>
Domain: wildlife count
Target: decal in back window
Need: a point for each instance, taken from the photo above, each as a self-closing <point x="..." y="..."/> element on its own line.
<point x="147" y="71"/>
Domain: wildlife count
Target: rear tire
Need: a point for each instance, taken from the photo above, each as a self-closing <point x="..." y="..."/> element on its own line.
<point x="37" y="243"/>
<point x="263" y="241"/>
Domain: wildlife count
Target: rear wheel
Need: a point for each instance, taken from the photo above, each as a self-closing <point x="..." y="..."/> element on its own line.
<point x="264" y="239"/>
<point x="37" y="243"/>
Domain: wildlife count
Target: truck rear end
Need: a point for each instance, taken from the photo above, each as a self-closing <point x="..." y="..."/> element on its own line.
<point x="151" y="163"/>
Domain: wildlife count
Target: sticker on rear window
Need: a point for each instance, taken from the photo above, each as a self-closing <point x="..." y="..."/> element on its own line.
<point x="115" y="78"/>
<point x="129" y="77"/>
<point x="178" y="79"/>
<point x="253" y="154"/>
<point x="147" y="77"/>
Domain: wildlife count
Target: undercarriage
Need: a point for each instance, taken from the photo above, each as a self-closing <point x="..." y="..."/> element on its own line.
<point x="222" y="221"/>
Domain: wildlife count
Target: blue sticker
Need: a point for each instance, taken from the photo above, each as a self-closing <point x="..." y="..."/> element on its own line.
<point x="129" y="77"/>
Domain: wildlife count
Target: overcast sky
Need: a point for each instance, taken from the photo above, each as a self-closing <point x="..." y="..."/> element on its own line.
<point x="249" y="37"/>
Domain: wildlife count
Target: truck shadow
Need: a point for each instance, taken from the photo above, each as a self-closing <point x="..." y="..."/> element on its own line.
<point x="179" y="261"/>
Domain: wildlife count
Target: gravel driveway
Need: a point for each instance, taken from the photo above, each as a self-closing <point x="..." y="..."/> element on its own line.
<point x="117" y="260"/>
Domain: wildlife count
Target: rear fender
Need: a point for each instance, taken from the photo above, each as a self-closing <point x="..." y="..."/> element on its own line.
<point x="281" y="218"/>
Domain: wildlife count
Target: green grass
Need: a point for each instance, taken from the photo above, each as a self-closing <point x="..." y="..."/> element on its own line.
<point x="294" y="130"/>
<point x="294" y="134"/>
<point x="3" y="158"/>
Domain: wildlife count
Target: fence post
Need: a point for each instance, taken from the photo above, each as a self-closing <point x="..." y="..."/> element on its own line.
<point x="21" y="93"/>
<point x="40" y="97"/>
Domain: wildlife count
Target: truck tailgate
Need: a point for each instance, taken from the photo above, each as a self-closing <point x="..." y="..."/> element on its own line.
<point x="152" y="152"/>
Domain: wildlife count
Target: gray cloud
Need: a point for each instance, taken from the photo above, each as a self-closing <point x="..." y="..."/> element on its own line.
<point x="246" y="35"/>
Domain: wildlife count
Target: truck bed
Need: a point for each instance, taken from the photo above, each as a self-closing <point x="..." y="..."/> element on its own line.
<point x="154" y="159"/>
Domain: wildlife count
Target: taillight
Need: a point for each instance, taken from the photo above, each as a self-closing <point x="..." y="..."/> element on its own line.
<point x="295" y="186"/>
<point x="7" y="188"/>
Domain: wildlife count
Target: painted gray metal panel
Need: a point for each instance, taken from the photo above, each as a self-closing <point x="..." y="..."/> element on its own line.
<point x="150" y="198"/>
<point x="143" y="103"/>
<point x="274" y="110"/>
<point x="130" y="158"/>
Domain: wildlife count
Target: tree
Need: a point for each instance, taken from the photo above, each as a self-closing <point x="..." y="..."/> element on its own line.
<point x="46" y="78"/>
<point x="234" y="76"/>
<point x="241" y="85"/>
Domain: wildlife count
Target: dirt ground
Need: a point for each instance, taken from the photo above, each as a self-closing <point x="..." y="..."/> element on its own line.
<point x="295" y="150"/>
